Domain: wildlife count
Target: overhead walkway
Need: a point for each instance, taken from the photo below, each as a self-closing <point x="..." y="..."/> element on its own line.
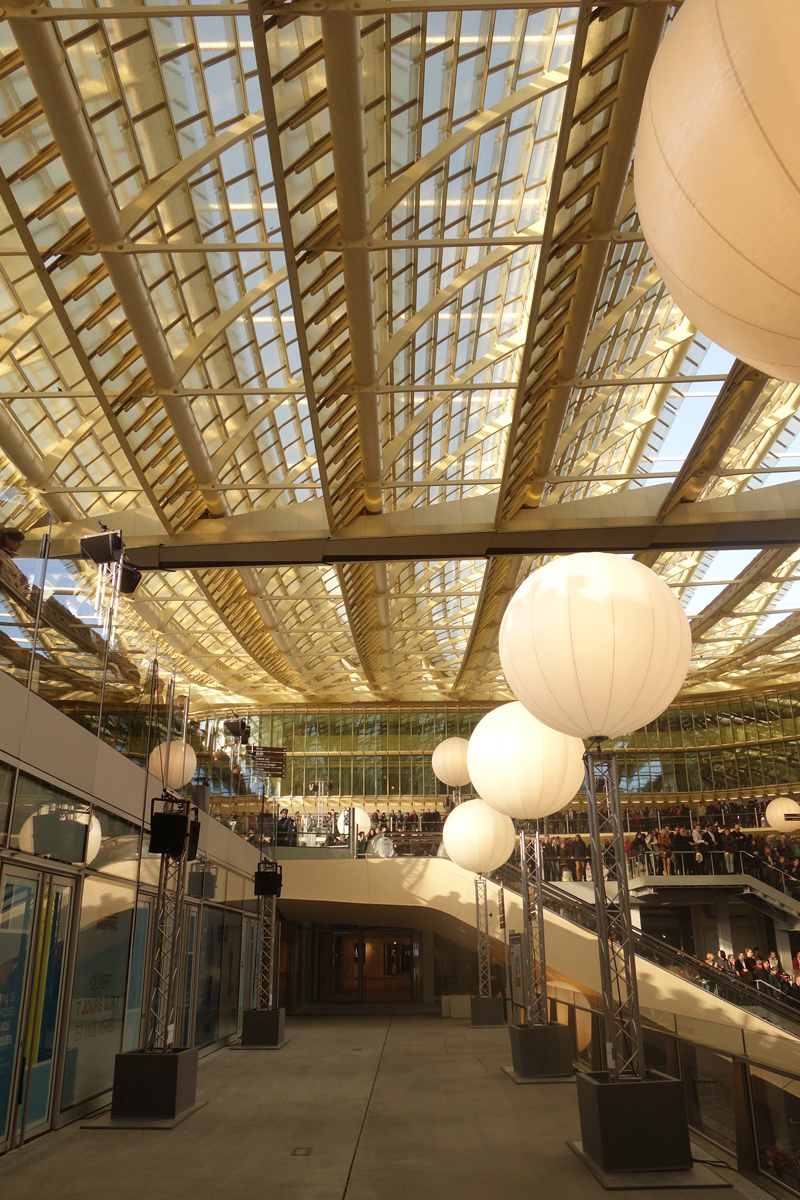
<point x="436" y="894"/>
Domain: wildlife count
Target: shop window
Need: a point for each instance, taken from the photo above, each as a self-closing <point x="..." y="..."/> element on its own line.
<point x="97" y="1009"/>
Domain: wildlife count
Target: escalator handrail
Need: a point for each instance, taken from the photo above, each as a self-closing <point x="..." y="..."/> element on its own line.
<point x="580" y="912"/>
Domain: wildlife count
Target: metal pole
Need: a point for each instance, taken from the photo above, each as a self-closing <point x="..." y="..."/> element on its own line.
<point x="482" y="924"/>
<point x="530" y="862"/>
<point x="267" y="915"/>
<point x="624" y="1047"/>
<point x="44" y="553"/>
<point x="506" y="956"/>
<point x="169" y="918"/>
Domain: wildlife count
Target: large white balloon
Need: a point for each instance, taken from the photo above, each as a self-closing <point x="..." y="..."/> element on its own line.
<point x="522" y="767"/>
<point x="182" y="763"/>
<point x="363" y="822"/>
<point x="717" y="174"/>
<point x="595" y="645"/>
<point x="477" y="837"/>
<point x="777" y="811"/>
<point x="449" y="762"/>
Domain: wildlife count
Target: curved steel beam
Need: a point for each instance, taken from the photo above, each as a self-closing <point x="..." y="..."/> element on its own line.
<point x="154" y="193"/>
<point x="391" y="196"/>
<point x="203" y="342"/>
<point x="442" y="298"/>
<point x="50" y="75"/>
<point x="341" y="39"/>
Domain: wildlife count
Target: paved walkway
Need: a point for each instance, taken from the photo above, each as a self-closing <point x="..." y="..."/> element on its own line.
<point x="391" y="1108"/>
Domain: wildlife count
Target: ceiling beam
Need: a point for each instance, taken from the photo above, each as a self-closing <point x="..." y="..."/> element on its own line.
<point x="754" y="649"/>
<point x="284" y="217"/>
<point x="542" y="405"/>
<point x="760" y="570"/>
<point x="736" y="399"/>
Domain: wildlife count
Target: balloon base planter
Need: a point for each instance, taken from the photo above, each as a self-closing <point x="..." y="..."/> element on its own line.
<point x="540" y="1052"/>
<point x="486" y="1010"/>
<point x="153" y="1089"/>
<point x="263" y="1029"/>
<point x="633" y="1126"/>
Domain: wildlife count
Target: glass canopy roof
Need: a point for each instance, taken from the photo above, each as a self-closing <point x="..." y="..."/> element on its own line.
<point x="350" y="260"/>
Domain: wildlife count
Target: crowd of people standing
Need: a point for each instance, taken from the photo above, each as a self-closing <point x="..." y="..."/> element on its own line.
<point x="686" y="850"/>
<point x="767" y="975"/>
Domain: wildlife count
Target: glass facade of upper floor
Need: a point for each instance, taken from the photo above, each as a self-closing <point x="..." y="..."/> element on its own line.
<point x="709" y="746"/>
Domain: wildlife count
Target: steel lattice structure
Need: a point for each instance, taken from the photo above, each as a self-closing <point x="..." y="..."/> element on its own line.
<point x="482" y="927"/>
<point x="162" y="1026"/>
<point x="624" y="1048"/>
<point x="269" y="935"/>
<point x="315" y="273"/>
<point x="531" y="875"/>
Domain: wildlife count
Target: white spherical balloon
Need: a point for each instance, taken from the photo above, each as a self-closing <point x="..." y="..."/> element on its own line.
<point x="477" y="837"/>
<point x="94" y="839"/>
<point x="26" y="836"/>
<point x="522" y="767"/>
<point x="717" y="175"/>
<point x="363" y="822"/>
<point x="776" y="814"/>
<point x="595" y="645"/>
<point x="182" y="763"/>
<point x="449" y="762"/>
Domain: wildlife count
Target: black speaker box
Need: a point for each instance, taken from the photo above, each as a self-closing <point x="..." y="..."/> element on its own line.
<point x="103" y="547"/>
<point x="168" y="832"/>
<point x="130" y="578"/>
<point x="194" y="841"/>
<point x="268" y="880"/>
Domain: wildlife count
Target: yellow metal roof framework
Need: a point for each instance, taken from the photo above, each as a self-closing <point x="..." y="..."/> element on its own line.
<point x="311" y="265"/>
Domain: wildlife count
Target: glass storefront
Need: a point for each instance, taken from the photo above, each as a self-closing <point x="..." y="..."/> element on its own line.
<point x="97" y="1009"/>
<point x="6" y="788"/>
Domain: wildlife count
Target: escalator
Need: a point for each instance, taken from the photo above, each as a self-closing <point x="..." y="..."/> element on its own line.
<point x="762" y="1001"/>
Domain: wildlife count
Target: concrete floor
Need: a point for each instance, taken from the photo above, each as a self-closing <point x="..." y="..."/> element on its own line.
<point x="396" y="1108"/>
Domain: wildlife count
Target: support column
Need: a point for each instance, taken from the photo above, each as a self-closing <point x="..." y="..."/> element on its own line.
<point x="539" y="1049"/>
<point x="159" y="1083"/>
<point x="629" y="1121"/>
<point x="783" y="948"/>
<point x="530" y="861"/>
<point x="624" y="1051"/>
<point x="263" y="1028"/>
<point x="485" y="1008"/>
<point x="428" y="968"/>
<point x="724" y="936"/>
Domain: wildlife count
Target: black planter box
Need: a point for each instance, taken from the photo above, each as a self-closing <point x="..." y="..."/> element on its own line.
<point x="540" y="1051"/>
<point x="263" y="1026"/>
<point x="638" y="1125"/>
<point x="487" y="1010"/>
<point x="148" y="1083"/>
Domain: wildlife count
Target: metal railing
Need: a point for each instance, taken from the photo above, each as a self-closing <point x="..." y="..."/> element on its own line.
<point x="689" y="968"/>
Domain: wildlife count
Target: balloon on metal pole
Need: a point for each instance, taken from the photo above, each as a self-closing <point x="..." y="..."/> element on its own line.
<point x="480" y="839"/>
<point x="595" y="646"/>
<point x="449" y="762"/>
<point x="527" y="771"/>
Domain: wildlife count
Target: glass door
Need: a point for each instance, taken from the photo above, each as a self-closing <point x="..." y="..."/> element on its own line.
<point x="35" y="914"/>
<point x="387" y="967"/>
<point x="18" y="895"/>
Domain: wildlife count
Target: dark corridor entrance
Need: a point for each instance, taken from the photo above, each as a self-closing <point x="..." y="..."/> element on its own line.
<point x="368" y="966"/>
